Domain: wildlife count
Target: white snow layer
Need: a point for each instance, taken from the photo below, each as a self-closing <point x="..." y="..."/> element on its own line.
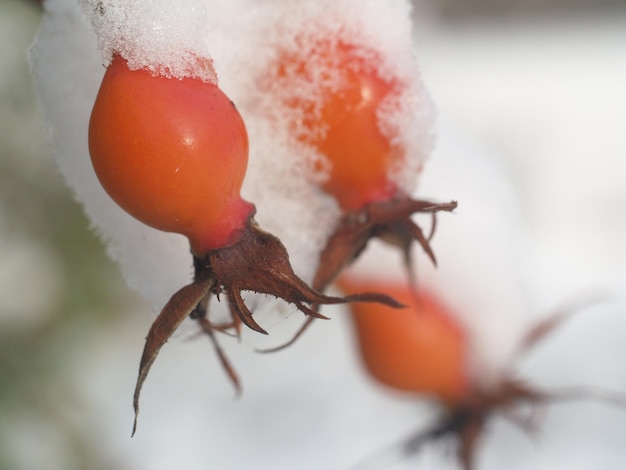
<point x="167" y="38"/>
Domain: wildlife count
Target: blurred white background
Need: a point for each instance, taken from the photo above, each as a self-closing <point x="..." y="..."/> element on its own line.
<point x="542" y="93"/>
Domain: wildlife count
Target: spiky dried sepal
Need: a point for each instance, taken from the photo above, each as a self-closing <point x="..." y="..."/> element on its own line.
<point x="259" y="262"/>
<point x="388" y="220"/>
<point x="180" y="305"/>
<point x="256" y="262"/>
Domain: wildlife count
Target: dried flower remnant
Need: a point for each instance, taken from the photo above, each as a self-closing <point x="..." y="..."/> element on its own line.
<point x="173" y="153"/>
<point x="423" y="350"/>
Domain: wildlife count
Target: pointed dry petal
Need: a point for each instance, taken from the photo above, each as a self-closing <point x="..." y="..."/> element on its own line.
<point x="609" y="397"/>
<point x="388" y="220"/>
<point x="240" y="310"/>
<point x="365" y="297"/>
<point x="469" y="437"/>
<point x="417" y="234"/>
<point x="548" y="325"/>
<point x="259" y="262"/>
<point x="180" y="305"/>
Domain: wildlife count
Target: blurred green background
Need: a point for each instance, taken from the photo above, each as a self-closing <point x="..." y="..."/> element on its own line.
<point x="58" y="290"/>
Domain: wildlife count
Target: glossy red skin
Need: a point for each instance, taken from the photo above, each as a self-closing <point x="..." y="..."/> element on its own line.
<point x="360" y="155"/>
<point x="172" y="153"/>
<point x="418" y="349"/>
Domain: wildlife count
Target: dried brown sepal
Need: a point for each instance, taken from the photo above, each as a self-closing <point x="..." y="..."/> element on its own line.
<point x="511" y="398"/>
<point x="388" y="220"/>
<point x="544" y="328"/>
<point x="180" y="305"/>
<point x="465" y="424"/>
<point x="259" y="262"/>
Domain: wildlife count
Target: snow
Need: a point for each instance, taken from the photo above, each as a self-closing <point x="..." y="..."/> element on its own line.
<point x="169" y="39"/>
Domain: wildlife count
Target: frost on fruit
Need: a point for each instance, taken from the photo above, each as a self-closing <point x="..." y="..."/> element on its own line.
<point x="363" y="113"/>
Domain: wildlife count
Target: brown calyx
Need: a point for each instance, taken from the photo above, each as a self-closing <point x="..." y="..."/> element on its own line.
<point x="466" y="422"/>
<point x="257" y="262"/>
<point x="389" y="220"/>
<point x="511" y="398"/>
